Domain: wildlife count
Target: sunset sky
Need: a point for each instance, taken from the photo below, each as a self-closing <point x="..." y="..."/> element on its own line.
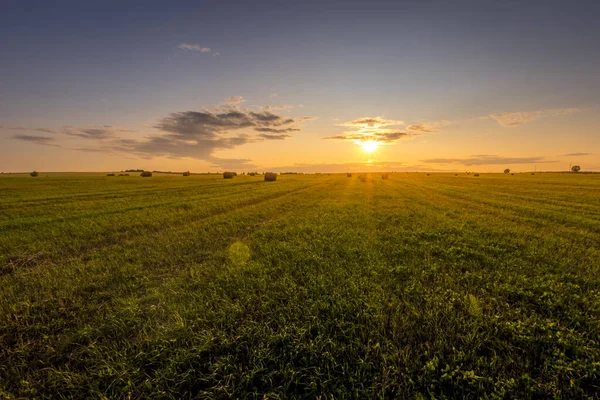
<point x="305" y="86"/>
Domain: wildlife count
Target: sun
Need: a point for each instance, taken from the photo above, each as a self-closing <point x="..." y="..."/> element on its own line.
<point x="369" y="146"/>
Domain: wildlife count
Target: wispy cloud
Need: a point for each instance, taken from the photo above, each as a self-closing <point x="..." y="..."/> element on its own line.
<point x="372" y="122"/>
<point x="375" y="136"/>
<point x="276" y="130"/>
<point x="282" y="107"/>
<point x="484" y="159"/>
<point x="43" y="140"/>
<point x="196" y="48"/>
<point x="514" y="119"/>
<point x="22" y="128"/>
<point x="234" y="100"/>
<point x="267" y="136"/>
<point x="427" y="127"/>
<point x="575" y="154"/>
<point x="97" y="133"/>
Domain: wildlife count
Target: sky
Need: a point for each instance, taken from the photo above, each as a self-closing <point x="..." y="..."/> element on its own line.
<point x="305" y="86"/>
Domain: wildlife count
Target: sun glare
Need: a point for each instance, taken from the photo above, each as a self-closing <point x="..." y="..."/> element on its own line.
<point x="369" y="146"/>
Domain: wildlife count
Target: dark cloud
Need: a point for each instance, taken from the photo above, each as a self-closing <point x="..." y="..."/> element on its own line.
<point x="275" y="130"/>
<point x="576" y="154"/>
<point x="43" y="140"/>
<point x="488" y="160"/>
<point x="209" y="125"/>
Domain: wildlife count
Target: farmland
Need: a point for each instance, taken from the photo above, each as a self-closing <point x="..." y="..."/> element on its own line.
<point x="314" y="285"/>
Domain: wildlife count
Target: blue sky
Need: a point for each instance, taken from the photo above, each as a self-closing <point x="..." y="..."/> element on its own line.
<point x="74" y="66"/>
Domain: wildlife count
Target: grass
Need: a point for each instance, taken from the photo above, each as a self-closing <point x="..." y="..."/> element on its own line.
<point x="418" y="286"/>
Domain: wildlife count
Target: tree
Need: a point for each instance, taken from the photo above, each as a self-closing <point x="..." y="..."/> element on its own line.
<point x="507" y="170"/>
<point x="575" y="168"/>
<point x="34" y="173"/>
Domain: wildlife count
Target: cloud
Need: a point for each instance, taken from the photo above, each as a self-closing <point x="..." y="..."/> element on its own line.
<point x="199" y="134"/>
<point x="372" y="122"/>
<point x="43" y="140"/>
<point x="208" y="125"/>
<point x="514" y="119"/>
<point x="22" y="128"/>
<point x="427" y="127"/>
<point x="273" y="137"/>
<point x="484" y="159"/>
<point x="275" y="130"/>
<point x="194" y="47"/>
<point x="234" y="100"/>
<point x="386" y="136"/>
<point x="576" y="154"/>
<point x="96" y="133"/>
<point x="282" y="107"/>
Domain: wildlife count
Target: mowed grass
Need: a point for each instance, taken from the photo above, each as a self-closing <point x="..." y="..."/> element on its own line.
<point x="418" y="286"/>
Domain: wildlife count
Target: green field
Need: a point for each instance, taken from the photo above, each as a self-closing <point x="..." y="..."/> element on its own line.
<point x="419" y="286"/>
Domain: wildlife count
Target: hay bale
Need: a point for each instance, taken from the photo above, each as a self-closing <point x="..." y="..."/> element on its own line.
<point x="533" y="173"/>
<point x="349" y="175"/>
<point x="146" y="174"/>
<point x="228" y="175"/>
<point x="34" y="173"/>
<point x="270" y="176"/>
<point x="428" y="174"/>
<point x="384" y="175"/>
<point x="475" y="174"/>
<point x="186" y="173"/>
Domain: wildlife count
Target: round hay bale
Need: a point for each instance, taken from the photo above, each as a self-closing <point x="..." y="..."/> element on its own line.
<point x="475" y="174"/>
<point x="270" y="176"/>
<point x="349" y="175"/>
<point x="146" y="174"/>
<point x="34" y="173"/>
<point x="186" y="173"/>
<point x="384" y="176"/>
<point x="228" y="175"/>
